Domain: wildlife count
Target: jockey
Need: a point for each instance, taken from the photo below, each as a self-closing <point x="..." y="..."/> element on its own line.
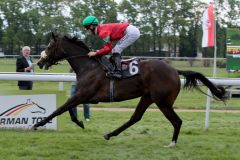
<point x="124" y="33"/>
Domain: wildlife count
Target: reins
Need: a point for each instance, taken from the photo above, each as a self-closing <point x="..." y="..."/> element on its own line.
<point x="76" y="56"/>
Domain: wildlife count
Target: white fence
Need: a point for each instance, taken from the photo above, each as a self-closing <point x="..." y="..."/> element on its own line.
<point x="69" y="77"/>
<point x="54" y="77"/>
<point x="50" y="77"/>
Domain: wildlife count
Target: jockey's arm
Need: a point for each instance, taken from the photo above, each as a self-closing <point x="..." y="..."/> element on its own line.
<point x="105" y="50"/>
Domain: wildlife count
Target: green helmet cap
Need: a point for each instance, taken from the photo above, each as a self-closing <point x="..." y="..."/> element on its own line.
<point x="89" y="20"/>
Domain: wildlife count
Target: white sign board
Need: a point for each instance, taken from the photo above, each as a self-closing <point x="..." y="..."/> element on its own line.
<point x="23" y="111"/>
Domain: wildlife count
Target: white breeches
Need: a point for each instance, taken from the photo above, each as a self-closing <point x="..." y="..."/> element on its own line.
<point x="132" y="33"/>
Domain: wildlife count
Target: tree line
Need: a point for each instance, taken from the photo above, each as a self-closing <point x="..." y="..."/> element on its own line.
<point x="168" y="27"/>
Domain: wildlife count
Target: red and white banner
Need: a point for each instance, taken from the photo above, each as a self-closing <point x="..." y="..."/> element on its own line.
<point x="208" y="27"/>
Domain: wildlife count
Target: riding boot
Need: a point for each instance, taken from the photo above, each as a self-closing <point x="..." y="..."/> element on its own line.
<point x="118" y="68"/>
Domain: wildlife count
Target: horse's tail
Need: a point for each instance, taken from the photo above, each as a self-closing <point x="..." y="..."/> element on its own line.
<point x="192" y="78"/>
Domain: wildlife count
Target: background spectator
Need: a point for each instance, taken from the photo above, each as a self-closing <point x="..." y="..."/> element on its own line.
<point x="24" y="63"/>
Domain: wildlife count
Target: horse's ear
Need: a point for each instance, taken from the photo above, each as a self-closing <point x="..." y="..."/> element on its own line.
<point x="54" y="37"/>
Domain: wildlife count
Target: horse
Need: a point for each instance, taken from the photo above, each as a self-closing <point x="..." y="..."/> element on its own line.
<point x="157" y="82"/>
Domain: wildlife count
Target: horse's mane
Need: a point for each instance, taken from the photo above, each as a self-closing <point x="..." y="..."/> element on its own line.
<point x="77" y="41"/>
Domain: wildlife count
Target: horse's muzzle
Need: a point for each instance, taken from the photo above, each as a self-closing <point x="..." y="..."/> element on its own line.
<point x="40" y="64"/>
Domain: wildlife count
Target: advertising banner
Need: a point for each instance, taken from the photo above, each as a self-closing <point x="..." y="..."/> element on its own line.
<point x="23" y="111"/>
<point x="233" y="50"/>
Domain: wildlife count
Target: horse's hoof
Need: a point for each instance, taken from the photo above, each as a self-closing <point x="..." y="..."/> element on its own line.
<point x="106" y="137"/>
<point x="34" y="128"/>
<point x="171" y="145"/>
<point x="80" y="124"/>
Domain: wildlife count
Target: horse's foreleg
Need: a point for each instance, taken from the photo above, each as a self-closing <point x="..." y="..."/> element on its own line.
<point x="174" y="119"/>
<point x="75" y="119"/>
<point x="71" y="102"/>
<point x="145" y="101"/>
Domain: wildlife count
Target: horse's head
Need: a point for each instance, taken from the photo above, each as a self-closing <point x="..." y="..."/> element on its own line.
<point x="52" y="54"/>
<point x="59" y="48"/>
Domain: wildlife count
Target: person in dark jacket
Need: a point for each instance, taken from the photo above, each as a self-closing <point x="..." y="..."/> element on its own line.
<point x="24" y="63"/>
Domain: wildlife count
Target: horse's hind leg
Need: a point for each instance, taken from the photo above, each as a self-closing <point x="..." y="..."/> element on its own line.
<point x="145" y="101"/>
<point x="174" y="119"/>
<point x="75" y="119"/>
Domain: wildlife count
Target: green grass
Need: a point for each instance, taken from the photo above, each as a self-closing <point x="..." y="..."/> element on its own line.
<point x="143" y="141"/>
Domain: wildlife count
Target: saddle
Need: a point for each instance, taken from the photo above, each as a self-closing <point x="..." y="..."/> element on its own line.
<point x="129" y="66"/>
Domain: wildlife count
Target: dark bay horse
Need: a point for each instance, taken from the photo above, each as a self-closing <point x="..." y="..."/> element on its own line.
<point x="157" y="83"/>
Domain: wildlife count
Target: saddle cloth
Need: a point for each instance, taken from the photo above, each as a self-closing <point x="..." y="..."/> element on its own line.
<point x="129" y="66"/>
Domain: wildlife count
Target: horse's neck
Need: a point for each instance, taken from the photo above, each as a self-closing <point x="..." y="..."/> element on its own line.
<point x="78" y="58"/>
<point x="82" y="65"/>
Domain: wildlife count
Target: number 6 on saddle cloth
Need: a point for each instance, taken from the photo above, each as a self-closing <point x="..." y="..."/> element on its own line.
<point x="129" y="66"/>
